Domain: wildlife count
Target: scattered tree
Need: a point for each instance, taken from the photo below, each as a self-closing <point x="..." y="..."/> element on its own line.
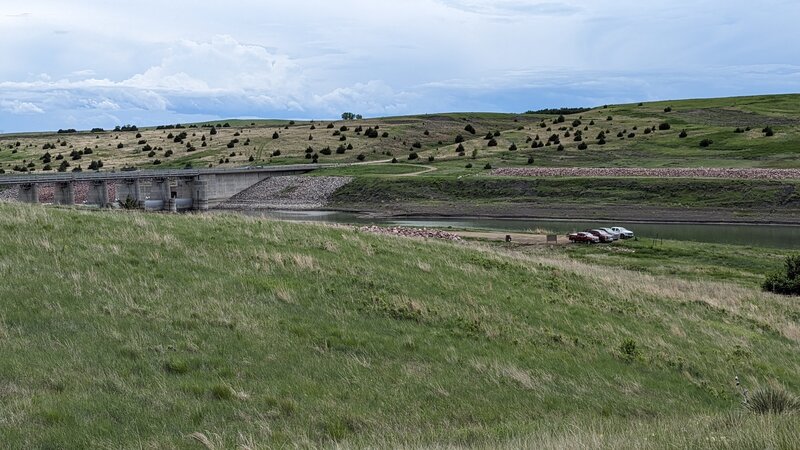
<point x="786" y="282"/>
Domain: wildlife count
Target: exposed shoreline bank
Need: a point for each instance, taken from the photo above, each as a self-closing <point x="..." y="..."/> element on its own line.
<point x="626" y="213"/>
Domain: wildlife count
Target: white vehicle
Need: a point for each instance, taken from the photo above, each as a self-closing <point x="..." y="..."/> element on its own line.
<point x="623" y="232"/>
<point x="614" y="234"/>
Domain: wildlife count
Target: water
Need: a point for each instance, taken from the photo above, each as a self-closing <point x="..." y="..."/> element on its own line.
<point x="775" y="236"/>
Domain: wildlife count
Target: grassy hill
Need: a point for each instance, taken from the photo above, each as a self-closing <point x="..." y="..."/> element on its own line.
<point x="131" y="330"/>
<point x="627" y="140"/>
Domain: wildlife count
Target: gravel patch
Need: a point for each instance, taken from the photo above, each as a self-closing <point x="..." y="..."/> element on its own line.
<point x="290" y="192"/>
<point x="751" y="174"/>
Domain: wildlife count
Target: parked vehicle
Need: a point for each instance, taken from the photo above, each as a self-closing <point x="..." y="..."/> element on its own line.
<point x="615" y="235"/>
<point x="601" y="234"/>
<point x="583" y="236"/>
<point x="624" y="233"/>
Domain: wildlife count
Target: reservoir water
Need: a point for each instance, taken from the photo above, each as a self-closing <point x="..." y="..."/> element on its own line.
<point x="776" y="236"/>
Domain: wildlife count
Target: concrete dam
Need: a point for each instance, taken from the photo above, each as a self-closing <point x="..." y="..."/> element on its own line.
<point x="159" y="190"/>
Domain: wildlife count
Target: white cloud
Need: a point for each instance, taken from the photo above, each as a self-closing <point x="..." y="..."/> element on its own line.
<point x="220" y="65"/>
<point x="373" y="97"/>
<point x="316" y="58"/>
<point x="101" y="104"/>
<point x="513" y="7"/>
<point x="18" y="107"/>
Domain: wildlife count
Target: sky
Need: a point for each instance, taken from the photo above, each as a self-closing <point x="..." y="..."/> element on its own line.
<point x="91" y="63"/>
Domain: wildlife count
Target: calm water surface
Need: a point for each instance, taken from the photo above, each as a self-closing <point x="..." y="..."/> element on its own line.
<point x="777" y="236"/>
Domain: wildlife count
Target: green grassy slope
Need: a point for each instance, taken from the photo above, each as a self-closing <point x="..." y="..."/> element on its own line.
<point x="714" y="119"/>
<point x="591" y="191"/>
<point x="138" y="330"/>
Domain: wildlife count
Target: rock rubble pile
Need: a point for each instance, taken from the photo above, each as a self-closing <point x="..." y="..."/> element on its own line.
<point x="411" y="232"/>
<point x="755" y="174"/>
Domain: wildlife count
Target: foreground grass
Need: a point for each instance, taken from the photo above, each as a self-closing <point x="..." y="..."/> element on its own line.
<point x="140" y="330"/>
<point x="688" y="260"/>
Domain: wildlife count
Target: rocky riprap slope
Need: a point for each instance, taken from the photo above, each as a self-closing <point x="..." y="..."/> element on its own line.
<point x="759" y="174"/>
<point x="290" y="192"/>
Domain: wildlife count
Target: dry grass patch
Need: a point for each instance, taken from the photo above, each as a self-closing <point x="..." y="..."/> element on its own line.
<point x="751" y="304"/>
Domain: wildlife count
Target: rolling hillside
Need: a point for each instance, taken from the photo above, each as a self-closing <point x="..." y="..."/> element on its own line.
<point x="133" y="330"/>
<point x="732" y="128"/>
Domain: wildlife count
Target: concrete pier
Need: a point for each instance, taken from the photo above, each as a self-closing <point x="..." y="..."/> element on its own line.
<point x="131" y="188"/>
<point x="98" y="193"/>
<point x="64" y="193"/>
<point x="29" y="193"/>
<point x="200" y="196"/>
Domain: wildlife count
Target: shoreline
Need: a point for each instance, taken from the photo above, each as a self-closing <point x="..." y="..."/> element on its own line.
<point x="553" y="214"/>
<point x="573" y="213"/>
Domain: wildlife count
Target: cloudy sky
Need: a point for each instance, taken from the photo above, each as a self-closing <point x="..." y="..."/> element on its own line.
<point x="86" y="63"/>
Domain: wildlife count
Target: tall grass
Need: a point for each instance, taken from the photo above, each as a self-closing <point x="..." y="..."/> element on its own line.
<point x="125" y="329"/>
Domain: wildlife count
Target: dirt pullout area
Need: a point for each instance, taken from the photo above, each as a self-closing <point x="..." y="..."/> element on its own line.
<point x="567" y="211"/>
<point x="291" y="192"/>
<point x="47" y="192"/>
<point x="745" y="174"/>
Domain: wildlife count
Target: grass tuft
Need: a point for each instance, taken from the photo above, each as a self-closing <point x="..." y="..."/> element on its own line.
<point x="772" y="399"/>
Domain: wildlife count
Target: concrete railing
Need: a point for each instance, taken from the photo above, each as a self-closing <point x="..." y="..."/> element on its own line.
<point x="62" y="177"/>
